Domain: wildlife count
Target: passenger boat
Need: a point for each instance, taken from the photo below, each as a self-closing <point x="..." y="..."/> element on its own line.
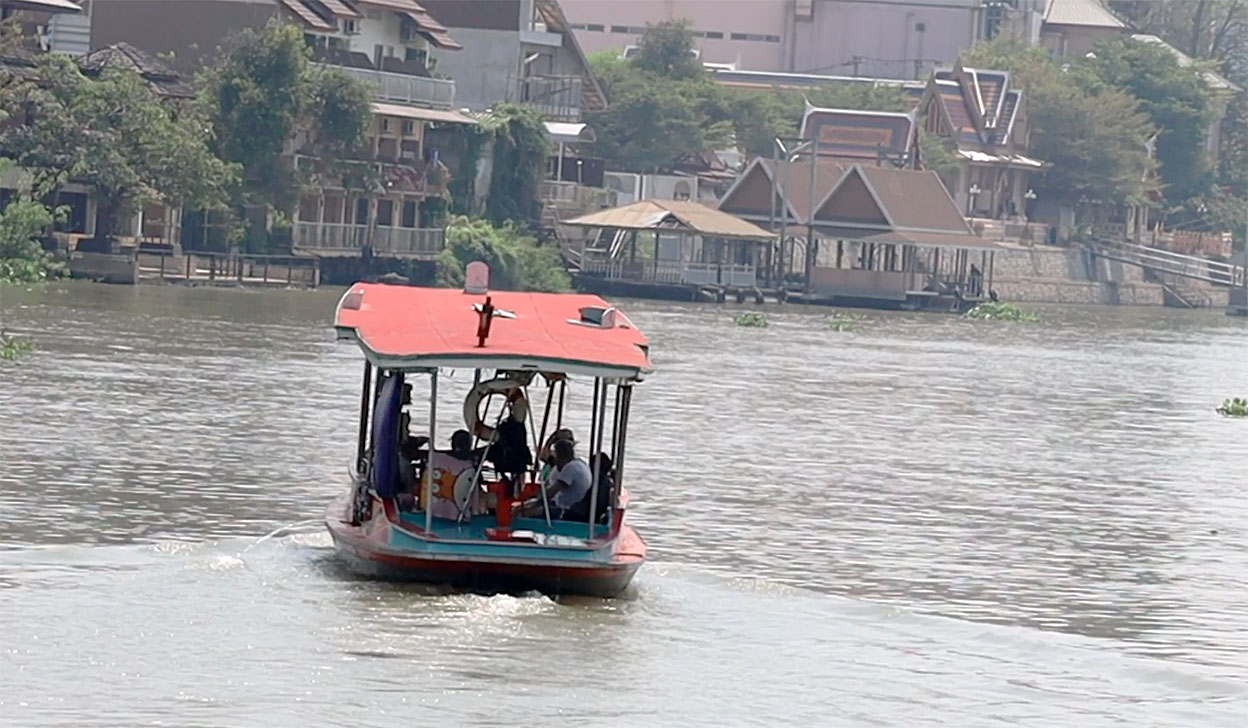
<point x="452" y="518"/>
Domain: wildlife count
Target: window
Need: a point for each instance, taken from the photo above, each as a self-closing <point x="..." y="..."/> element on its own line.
<point x="361" y="211"/>
<point x="385" y="213"/>
<point x="409" y="127"/>
<point x="738" y="36"/>
<point x="595" y="27"/>
<point x="351" y="27"/>
<point x="771" y="38"/>
<point x="408" y="220"/>
<point x="619" y="29"/>
<point x="576" y="26"/>
<point x="385" y="124"/>
<point x="714" y="35"/>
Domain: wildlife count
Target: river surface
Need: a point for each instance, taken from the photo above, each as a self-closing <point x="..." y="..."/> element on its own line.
<point x="925" y="522"/>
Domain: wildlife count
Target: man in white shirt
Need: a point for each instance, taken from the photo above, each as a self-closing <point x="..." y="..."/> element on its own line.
<point x="569" y="483"/>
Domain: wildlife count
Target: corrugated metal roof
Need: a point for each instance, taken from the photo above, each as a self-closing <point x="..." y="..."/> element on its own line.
<point x="416" y="112"/>
<point x="679" y="214"/>
<point x="1087" y="13"/>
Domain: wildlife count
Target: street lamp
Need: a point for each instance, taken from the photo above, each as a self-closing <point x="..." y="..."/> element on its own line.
<point x="1030" y="196"/>
<point x="974" y="192"/>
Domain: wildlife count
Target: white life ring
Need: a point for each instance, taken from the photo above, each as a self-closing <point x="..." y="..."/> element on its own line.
<point x="514" y="391"/>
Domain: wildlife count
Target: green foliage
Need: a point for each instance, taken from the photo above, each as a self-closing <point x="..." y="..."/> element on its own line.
<point x="521" y="147"/>
<point x="12" y="347"/>
<point x="1175" y="99"/>
<point x="1095" y="141"/>
<point x="264" y="90"/>
<point x="1000" y="311"/>
<point x="1234" y="407"/>
<point x="114" y="134"/>
<point x="22" y="258"/>
<point x="666" y="49"/>
<point x="664" y="106"/>
<point x="845" y="321"/>
<point x="753" y="319"/>
<point x="518" y="262"/>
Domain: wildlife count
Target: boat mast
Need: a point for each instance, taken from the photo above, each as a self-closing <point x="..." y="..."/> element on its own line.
<point x="433" y="424"/>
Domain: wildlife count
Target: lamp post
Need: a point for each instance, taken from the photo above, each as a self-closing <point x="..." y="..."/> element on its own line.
<point x="973" y="192"/>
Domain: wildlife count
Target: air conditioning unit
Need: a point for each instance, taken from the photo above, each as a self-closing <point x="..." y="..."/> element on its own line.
<point x="626" y="185"/>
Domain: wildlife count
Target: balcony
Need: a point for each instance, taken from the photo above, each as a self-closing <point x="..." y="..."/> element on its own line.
<point x="400" y="88"/>
<point x="557" y="97"/>
<point x="347" y="240"/>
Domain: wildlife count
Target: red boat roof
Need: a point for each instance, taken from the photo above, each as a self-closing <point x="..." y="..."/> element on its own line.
<point x="409" y="327"/>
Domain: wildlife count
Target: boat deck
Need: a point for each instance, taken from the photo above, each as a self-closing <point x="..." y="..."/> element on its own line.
<point x="559" y="533"/>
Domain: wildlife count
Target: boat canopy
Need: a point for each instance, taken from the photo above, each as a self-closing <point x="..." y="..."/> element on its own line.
<point x="411" y="328"/>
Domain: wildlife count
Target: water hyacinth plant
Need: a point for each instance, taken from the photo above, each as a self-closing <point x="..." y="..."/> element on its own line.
<point x="751" y="318"/>
<point x="1000" y="311"/>
<point x="1234" y="407"/>
<point x="845" y="321"/>
<point x="11" y="347"/>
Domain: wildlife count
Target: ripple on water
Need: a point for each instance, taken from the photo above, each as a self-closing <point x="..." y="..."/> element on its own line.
<point x="1044" y="522"/>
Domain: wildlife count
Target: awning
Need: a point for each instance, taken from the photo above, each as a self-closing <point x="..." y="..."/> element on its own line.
<point x="568" y="133"/>
<point x="47" y="6"/>
<point x="445" y="116"/>
<point x="432" y="29"/>
<point x="908" y="237"/>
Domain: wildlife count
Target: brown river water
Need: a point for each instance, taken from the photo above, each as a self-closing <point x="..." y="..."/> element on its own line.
<point x="927" y="521"/>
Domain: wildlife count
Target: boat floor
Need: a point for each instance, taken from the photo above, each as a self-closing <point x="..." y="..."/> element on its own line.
<point x="559" y="533"/>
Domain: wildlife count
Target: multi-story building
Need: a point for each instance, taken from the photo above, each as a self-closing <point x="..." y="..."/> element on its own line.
<point x="888" y="38"/>
<point x="393" y="45"/>
<point x="518" y="50"/>
<point x="62" y="26"/>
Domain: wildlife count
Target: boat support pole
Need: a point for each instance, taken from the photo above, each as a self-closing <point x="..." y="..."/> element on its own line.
<point x="433" y="424"/>
<point x="360" y="465"/>
<point x="623" y="444"/>
<point x="599" y="421"/>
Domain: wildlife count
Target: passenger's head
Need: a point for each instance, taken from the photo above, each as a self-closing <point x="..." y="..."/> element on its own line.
<point x="564" y="452"/>
<point x="562" y="433"/>
<point x="461" y="441"/>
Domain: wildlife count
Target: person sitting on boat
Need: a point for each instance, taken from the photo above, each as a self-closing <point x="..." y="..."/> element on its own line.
<point x="547" y="456"/>
<point x="448" y="466"/>
<point x="572" y="480"/>
<point x="510" y="452"/>
<point x="606" y="491"/>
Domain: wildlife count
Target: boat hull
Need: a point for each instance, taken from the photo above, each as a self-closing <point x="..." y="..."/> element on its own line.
<point x="369" y="550"/>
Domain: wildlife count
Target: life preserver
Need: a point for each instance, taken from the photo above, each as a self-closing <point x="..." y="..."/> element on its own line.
<point x="513" y="389"/>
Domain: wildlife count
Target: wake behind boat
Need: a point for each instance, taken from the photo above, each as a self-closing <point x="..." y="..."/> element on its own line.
<point x="489" y="513"/>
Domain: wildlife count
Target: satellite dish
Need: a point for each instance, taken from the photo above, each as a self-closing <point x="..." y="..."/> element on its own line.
<point x="477" y="277"/>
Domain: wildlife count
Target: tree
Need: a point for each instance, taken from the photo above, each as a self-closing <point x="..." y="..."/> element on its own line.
<point x="114" y="134"/>
<point x="1176" y="99"/>
<point x="663" y="105"/>
<point x="1094" y="141"/>
<point x="521" y="148"/>
<point x="518" y="262"/>
<point x="666" y="49"/>
<point x="22" y="221"/>
<point x="262" y="92"/>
